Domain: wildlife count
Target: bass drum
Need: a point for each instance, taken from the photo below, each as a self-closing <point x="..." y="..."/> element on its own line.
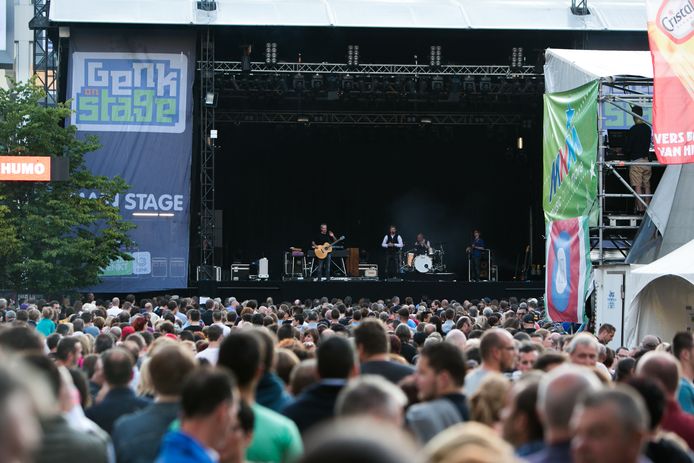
<point x="423" y="264"/>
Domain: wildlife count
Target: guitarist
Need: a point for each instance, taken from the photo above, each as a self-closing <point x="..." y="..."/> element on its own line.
<point x="393" y="244"/>
<point x="325" y="236"/>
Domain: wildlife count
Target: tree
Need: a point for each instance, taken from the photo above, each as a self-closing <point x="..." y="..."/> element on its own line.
<point x="52" y="240"/>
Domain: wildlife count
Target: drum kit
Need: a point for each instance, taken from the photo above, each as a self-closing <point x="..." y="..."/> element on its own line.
<point x="430" y="262"/>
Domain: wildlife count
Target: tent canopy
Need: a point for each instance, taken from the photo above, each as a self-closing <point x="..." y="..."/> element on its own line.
<point x="568" y="69"/>
<point x="613" y="15"/>
<point x="663" y="297"/>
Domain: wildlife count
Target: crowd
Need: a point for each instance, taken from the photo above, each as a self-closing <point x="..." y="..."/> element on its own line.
<point x="174" y="379"/>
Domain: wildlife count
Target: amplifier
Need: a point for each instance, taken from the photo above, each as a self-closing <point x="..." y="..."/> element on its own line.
<point x="368" y="270"/>
<point x="240" y="272"/>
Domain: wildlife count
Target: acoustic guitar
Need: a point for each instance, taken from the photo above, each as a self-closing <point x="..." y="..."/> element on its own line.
<point x="324" y="249"/>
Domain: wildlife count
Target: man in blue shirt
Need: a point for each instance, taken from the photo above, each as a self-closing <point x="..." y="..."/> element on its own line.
<point x="475" y="249"/>
<point x="209" y="413"/>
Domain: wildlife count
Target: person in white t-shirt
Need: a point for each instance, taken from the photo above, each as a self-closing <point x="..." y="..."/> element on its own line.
<point x="217" y="321"/>
<point x="214" y="336"/>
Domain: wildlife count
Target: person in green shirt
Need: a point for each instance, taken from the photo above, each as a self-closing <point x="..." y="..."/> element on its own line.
<point x="276" y="438"/>
<point x="46" y="326"/>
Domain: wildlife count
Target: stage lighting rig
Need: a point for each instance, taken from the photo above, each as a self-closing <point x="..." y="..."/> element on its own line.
<point x="485" y="84"/>
<point x="271" y="53"/>
<point x="298" y="83"/>
<point x="437" y="84"/>
<point x="317" y="82"/>
<point x="517" y="58"/>
<point x="347" y="83"/>
<point x="435" y="56"/>
<point x="246" y="58"/>
<point x="353" y="55"/>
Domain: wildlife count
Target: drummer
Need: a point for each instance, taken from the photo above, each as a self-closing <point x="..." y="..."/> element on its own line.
<point x="422" y="245"/>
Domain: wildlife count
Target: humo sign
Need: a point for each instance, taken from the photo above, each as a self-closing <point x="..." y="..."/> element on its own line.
<point x="129" y="92"/>
<point x="25" y="168"/>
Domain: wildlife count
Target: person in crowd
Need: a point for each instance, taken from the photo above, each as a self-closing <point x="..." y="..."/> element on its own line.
<point x="371" y="340"/>
<point x="20" y="431"/>
<point x="270" y="391"/>
<point x="664" y="368"/>
<point x="214" y="337"/>
<point x="583" y="350"/>
<point x="46" y="326"/>
<point x="440" y="377"/>
<point x="275" y="437"/>
<point x="336" y="364"/>
<point x="68" y="352"/>
<point x="660" y="448"/>
<point x="498" y="353"/>
<point x="528" y="353"/>
<point x="468" y="443"/>
<point x="606" y="333"/>
<point x="683" y="350"/>
<point x="209" y="409"/>
<point x="372" y="396"/>
<point x="120" y="399"/>
<point x="558" y="393"/>
<point x="609" y="426"/>
<point x="486" y="404"/>
<point x="136" y="436"/>
<point x="521" y="426"/>
<point x="359" y="439"/>
<point x="407" y="350"/>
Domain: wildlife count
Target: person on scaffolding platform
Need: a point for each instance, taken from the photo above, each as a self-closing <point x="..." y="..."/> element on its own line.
<point x="393" y="244"/>
<point x="637" y="147"/>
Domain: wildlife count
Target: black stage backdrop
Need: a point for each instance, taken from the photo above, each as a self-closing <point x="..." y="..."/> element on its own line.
<point x="275" y="186"/>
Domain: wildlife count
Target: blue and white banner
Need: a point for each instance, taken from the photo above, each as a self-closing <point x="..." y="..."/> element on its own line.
<point x="132" y="89"/>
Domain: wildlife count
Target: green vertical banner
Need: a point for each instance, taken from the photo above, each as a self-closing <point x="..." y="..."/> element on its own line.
<point x="570" y="147"/>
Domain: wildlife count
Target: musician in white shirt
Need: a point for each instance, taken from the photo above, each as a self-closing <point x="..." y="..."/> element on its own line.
<point x="393" y="244"/>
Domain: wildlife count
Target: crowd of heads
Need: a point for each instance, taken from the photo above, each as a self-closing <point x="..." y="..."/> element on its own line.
<point x="173" y="379"/>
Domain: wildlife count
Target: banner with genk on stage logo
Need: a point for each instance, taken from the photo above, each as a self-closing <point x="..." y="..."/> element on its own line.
<point x="568" y="269"/>
<point x="671" y="38"/>
<point x="570" y="146"/>
<point x="132" y="89"/>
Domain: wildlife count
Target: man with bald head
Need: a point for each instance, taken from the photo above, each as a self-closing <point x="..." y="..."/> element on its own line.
<point x="664" y="368"/>
<point x="498" y="353"/>
<point x="558" y="393"/>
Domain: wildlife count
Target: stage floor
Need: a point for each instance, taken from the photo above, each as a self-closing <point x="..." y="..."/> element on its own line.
<point x="372" y="289"/>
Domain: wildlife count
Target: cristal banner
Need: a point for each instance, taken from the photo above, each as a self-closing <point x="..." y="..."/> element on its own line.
<point x="570" y="141"/>
<point x="132" y="90"/>
<point x="568" y="269"/>
<point x="670" y="32"/>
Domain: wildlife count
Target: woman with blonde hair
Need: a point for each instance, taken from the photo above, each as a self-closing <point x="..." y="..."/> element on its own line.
<point x="468" y="443"/>
<point x="487" y="402"/>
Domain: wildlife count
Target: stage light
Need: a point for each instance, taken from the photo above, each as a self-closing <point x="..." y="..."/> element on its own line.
<point x="517" y="58"/>
<point x="299" y="83"/>
<point x="271" y="53"/>
<point x="469" y="85"/>
<point x="317" y="82"/>
<point x="353" y="55"/>
<point x="211" y="99"/>
<point x="437" y="84"/>
<point x="435" y="55"/>
<point x="347" y="83"/>
<point x="485" y="84"/>
<point x="303" y="120"/>
<point x="519" y="143"/>
<point x="425" y="121"/>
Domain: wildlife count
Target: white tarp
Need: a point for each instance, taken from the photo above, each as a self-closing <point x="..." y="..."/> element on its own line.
<point x="612" y="15"/>
<point x="568" y="69"/>
<point x="661" y="297"/>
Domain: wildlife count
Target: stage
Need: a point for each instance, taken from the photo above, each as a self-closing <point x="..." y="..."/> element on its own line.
<point x="371" y="289"/>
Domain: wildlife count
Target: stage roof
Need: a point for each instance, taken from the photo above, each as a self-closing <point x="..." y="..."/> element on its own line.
<point x="567" y="69"/>
<point x="612" y="15"/>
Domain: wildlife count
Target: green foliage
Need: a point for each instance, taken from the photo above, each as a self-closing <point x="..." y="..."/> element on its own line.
<point x="51" y="239"/>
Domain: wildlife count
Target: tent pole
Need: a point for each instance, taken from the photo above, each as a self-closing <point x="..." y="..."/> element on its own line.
<point x="601" y="183"/>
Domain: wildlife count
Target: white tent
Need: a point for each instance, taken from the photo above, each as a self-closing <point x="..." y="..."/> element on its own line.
<point x="662" y="297"/>
<point x="606" y="15"/>
<point x="568" y="69"/>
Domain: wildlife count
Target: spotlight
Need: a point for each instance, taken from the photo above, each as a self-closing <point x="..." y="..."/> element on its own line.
<point x="519" y="143"/>
<point x="299" y="83"/>
<point x="425" y="121"/>
<point x="435" y="55"/>
<point x="517" y="58"/>
<point x="437" y="84"/>
<point x="347" y="83"/>
<point x="469" y="85"/>
<point x="303" y="120"/>
<point x="211" y="99"/>
<point x="353" y="55"/>
<point x="317" y="82"/>
<point x="485" y="84"/>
